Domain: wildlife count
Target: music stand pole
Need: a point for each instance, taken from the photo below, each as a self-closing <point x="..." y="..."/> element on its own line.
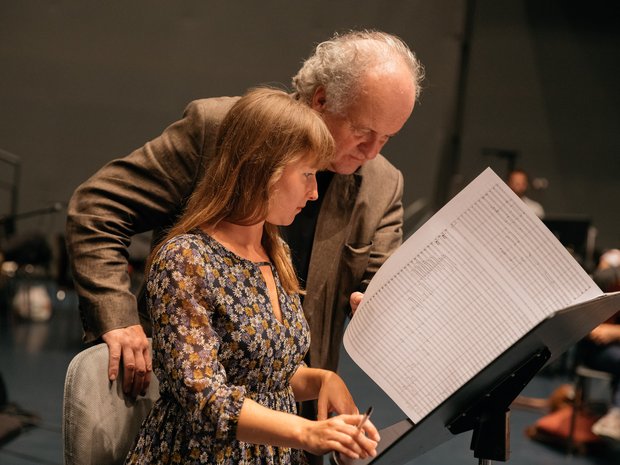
<point x="489" y="417"/>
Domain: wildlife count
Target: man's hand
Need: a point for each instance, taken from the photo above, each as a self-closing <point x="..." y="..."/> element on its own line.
<point x="132" y="346"/>
<point x="355" y="300"/>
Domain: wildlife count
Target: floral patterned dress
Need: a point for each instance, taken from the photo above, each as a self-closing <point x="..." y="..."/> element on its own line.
<point x="216" y="342"/>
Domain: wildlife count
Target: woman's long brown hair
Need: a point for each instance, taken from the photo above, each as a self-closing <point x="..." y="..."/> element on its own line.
<point x="264" y="131"/>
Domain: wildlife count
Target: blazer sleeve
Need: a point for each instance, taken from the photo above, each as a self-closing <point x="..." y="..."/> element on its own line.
<point x="142" y="191"/>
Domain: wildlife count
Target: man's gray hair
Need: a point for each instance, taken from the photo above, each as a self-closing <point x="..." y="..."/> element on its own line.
<point x="338" y="64"/>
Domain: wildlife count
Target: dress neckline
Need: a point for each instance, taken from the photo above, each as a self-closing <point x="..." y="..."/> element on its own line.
<point x="227" y="251"/>
<point x="214" y="242"/>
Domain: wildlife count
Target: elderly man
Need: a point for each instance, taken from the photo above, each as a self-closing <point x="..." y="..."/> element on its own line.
<point x="364" y="84"/>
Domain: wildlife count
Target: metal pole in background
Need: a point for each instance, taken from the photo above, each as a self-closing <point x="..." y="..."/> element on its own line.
<point x="448" y="166"/>
<point x="12" y="186"/>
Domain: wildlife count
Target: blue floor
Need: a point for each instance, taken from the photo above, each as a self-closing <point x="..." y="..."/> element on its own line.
<point x="34" y="358"/>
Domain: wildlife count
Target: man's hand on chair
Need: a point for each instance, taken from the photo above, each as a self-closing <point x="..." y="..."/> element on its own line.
<point x="132" y="346"/>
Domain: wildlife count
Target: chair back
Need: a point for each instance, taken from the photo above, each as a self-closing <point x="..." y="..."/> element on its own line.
<point x="100" y="423"/>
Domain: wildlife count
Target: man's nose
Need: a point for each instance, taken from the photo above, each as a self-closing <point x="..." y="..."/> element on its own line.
<point x="370" y="146"/>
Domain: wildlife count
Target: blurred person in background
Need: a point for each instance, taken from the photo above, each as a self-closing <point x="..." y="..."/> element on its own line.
<point x="518" y="181"/>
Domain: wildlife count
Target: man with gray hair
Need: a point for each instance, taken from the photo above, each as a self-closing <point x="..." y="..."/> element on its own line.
<point x="364" y="84"/>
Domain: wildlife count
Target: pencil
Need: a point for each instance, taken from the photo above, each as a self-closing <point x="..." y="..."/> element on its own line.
<point x="364" y="418"/>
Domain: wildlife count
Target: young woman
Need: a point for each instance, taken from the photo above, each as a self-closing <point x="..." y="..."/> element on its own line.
<point x="229" y="334"/>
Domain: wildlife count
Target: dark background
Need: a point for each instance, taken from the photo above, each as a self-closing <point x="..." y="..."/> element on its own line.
<point x="83" y="82"/>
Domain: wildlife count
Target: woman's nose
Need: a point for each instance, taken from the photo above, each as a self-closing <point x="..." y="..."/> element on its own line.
<point x="313" y="192"/>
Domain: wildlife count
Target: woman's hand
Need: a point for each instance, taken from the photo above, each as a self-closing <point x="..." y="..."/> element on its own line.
<point x="260" y="425"/>
<point x="342" y="435"/>
<point x="334" y="397"/>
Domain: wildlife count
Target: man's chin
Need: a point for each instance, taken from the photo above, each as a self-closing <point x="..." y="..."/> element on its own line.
<point x="345" y="168"/>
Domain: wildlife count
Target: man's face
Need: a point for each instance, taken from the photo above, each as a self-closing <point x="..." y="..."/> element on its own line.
<point x="377" y="114"/>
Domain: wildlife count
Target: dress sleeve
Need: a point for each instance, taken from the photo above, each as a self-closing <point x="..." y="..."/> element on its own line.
<point x="181" y="302"/>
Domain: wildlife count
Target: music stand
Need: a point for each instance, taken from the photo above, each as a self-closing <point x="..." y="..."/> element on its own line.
<point x="482" y="404"/>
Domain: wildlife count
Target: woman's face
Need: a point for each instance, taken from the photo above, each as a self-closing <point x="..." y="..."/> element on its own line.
<point x="290" y="193"/>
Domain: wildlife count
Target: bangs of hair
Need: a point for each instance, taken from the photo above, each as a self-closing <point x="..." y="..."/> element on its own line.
<point x="317" y="143"/>
<point x="290" y="129"/>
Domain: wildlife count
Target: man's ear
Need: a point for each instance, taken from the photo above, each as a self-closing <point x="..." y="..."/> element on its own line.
<point x="319" y="99"/>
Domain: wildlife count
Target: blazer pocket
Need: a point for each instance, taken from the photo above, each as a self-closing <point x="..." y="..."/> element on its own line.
<point x="355" y="259"/>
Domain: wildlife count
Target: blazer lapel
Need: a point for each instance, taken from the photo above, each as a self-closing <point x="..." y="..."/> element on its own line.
<point x="332" y="229"/>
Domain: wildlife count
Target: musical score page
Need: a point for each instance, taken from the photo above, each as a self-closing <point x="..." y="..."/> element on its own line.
<point x="474" y="279"/>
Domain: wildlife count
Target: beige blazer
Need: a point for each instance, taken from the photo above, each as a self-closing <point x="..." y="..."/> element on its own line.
<point x="359" y="225"/>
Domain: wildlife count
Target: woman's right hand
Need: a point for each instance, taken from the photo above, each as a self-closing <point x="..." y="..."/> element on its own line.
<point x="340" y="434"/>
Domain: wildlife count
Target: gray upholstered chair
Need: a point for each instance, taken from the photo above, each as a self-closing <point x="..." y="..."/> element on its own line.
<point x="99" y="421"/>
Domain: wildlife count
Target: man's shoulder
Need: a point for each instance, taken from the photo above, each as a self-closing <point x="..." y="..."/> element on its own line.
<point x="212" y="107"/>
<point x="380" y="170"/>
<point x="226" y="101"/>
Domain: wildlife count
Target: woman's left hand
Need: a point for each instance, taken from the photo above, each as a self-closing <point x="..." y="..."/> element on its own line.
<point x="334" y="397"/>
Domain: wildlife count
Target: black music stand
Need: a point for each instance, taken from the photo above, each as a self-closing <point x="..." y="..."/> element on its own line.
<point x="482" y="404"/>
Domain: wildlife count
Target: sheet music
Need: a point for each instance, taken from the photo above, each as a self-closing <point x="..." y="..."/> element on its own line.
<point x="466" y="286"/>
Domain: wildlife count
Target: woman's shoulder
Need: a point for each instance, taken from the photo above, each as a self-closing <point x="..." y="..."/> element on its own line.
<point x="186" y="247"/>
<point x="190" y="240"/>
